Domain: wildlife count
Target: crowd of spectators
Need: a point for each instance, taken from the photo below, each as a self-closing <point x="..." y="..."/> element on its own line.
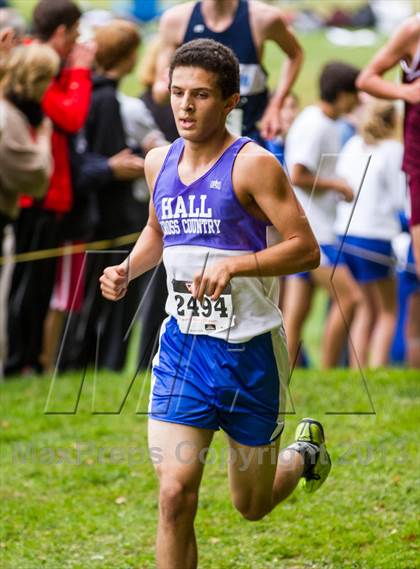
<point x="72" y="149"/>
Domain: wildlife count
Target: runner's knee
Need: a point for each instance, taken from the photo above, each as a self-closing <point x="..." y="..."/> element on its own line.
<point x="250" y="509"/>
<point x="176" y="500"/>
<point x="255" y="515"/>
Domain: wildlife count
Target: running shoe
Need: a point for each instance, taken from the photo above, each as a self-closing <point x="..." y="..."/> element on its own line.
<point x="310" y="436"/>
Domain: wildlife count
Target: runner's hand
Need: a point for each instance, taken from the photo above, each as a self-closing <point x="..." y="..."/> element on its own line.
<point x="114" y="282"/>
<point x="211" y="282"/>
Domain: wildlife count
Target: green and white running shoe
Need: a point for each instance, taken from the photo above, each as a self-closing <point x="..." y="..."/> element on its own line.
<point x="310" y="442"/>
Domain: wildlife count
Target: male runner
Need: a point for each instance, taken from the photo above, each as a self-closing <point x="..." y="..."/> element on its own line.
<point x="217" y="202"/>
<point x="245" y="27"/>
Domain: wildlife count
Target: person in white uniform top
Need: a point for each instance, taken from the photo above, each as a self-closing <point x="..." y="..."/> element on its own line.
<point x="367" y="247"/>
<point x="313" y="144"/>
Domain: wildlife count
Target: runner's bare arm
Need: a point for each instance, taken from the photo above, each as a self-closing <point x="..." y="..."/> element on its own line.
<point x="270" y="20"/>
<point x="371" y="80"/>
<point x="172" y="28"/>
<point x="273" y="196"/>
<point x="147" y="252"/>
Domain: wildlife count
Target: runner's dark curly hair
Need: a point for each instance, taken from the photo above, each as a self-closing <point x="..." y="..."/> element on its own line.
<point x="211" y="56"/>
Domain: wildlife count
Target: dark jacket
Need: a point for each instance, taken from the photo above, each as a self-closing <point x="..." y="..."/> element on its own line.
<point x="118" y="211"/>
<point x="89" y="173"/>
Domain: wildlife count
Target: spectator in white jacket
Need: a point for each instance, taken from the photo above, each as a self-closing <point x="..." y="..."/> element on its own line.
<point x="313" y="145"/>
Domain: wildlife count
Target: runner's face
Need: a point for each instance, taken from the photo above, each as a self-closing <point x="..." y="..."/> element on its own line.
<point x="197" y="103"/>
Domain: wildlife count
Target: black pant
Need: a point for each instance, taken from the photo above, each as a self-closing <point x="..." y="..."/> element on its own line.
<point x="31" y="288"/>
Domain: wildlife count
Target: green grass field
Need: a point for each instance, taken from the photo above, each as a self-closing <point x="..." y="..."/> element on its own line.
<point x="78" y="490"/>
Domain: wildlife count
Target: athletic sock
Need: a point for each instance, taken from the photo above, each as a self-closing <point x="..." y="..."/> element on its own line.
<point x="309" y="451"/>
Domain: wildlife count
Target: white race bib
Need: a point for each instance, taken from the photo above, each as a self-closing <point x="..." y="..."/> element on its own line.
<point x="210" y="316"/>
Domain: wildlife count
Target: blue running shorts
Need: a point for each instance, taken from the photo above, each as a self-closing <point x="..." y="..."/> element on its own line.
<point x="368" y="259"/>
<point x="213" y="384"/>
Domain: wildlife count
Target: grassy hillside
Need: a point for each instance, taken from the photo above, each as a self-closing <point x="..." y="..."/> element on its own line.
<point x="78" y="490"/>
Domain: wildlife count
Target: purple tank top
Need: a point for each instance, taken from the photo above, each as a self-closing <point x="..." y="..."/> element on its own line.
<point x="207" y="212"/>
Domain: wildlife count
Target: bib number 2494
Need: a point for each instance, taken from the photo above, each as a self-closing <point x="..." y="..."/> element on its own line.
<point x="208" y="316"/>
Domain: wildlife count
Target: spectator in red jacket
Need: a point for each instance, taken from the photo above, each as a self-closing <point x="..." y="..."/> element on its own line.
<point x="67" y="100"/>
<point x="66" y="103"/>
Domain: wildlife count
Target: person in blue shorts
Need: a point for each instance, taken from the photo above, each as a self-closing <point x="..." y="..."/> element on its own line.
<point x="312" y="149"/>
<point x="366" y="230"/>
<point x="222" y="361"/>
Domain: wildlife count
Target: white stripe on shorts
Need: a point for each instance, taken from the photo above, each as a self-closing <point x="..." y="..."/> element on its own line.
<point x="156" y="362"/>
<point x="278" y="338"/>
